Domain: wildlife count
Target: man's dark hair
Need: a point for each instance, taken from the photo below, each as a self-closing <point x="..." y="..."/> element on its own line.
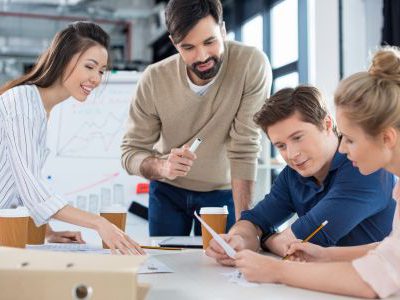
<point x="306" y="100"/>
<point x="182" y="15"/>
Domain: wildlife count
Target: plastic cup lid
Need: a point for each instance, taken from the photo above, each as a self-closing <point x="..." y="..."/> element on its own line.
<point x="113" y="209"/>
<point x="214" y="210"/>
<point x="19" y="212"/>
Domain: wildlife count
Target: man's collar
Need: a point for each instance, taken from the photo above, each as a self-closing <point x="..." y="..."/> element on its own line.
<point x="336" y="162"/>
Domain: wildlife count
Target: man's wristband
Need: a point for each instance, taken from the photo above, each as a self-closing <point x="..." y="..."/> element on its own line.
<point x="264" y="237"/>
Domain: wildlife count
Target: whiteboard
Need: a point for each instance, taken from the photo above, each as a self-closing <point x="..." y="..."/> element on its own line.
<point x="84" y="141"/>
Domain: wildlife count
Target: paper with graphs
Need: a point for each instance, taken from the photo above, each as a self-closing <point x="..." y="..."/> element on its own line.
<point x="69" y="247"/>
<point x="150" y="266"/>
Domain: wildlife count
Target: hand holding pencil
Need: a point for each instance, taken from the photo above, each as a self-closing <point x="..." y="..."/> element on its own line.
<point x="303" y="251"/>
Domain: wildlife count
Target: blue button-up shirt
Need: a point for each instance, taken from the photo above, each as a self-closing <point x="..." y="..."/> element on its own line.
<point x="359" y="208"/>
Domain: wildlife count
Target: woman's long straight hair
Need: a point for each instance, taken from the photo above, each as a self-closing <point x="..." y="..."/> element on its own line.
<point x="51" y="65"/>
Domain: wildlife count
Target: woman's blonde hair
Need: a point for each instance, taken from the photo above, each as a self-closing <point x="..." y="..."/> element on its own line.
<point x="372" y="99"/>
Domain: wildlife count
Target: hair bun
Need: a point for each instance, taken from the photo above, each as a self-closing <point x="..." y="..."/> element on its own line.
<point x="386" y="64"/>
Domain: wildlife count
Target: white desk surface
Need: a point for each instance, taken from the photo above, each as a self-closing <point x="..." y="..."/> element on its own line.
<point x="197" y="276"/>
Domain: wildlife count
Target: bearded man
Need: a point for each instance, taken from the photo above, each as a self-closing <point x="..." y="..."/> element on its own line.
<point x="209" y="90"/>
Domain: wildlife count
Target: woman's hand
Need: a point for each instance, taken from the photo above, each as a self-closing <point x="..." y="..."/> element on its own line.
<point x="308" y="252"/>
<point x="64" y="237"/>
<point x="256" y="267"/>
<point x="112" y="236"/>
<point x="116" y="239"/>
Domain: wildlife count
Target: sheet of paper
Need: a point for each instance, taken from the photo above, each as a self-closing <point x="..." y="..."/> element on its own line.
<point x="238" y="278"/>
<point x="228" y="249"/>
<point x="182" y="241"/>
<point x="70" y="247"/>
<point x="153" y="265"/>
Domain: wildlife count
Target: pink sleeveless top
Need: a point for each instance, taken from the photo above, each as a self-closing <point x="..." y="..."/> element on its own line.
<point x="380" y="268"/>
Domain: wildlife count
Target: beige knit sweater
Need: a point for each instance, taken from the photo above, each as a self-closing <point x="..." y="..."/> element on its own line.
<point x="165" y="113"/>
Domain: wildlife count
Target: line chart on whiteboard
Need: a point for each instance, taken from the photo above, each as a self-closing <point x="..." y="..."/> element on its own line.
<point x="93" y="129"/>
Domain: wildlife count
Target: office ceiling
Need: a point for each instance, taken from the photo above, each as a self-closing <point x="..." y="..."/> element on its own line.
<point x="101" y="8"/>
<point x="112" y="4"/>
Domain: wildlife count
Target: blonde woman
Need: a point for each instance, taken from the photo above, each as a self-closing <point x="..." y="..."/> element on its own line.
<point x="368" y="116"/>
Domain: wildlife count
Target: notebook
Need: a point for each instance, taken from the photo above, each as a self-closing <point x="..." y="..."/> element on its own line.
<point x="182" y="242"/>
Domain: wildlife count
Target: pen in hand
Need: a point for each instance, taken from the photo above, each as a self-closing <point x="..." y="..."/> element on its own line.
<point x="195" y="144"/>
<point x="310" y="236"/>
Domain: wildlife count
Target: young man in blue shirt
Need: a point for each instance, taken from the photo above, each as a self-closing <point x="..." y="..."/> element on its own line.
<point x="318" y="184"/>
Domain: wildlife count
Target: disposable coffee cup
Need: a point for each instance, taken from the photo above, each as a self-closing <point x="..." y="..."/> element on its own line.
<point x="115" y="214"/>
<point x="216" y="218"/>
<point x="36" y="235"/>
<point x="14" y="227"/>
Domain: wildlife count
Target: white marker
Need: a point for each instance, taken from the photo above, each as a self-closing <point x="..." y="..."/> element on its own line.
<point x="228" y="249"/>
<point x="195" y="144"/>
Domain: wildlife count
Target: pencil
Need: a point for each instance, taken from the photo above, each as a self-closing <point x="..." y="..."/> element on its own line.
<point x="159" y="248"/>
<point x="310" y="236"/>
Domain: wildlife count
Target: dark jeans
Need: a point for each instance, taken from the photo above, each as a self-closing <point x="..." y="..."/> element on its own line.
<point x="171" y="209"/>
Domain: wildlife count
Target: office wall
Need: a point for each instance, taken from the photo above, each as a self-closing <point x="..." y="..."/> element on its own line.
<point x="323" y="45"/>
<point x="361" y="24"/>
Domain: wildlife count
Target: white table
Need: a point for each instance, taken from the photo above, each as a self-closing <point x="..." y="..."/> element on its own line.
<point x="197" y="276"/>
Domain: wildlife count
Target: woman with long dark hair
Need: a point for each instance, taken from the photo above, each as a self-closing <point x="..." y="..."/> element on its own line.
<point x="73" y="65"/>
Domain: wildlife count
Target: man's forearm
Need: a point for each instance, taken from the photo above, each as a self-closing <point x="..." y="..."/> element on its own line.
<point x="242" y="191"/>
<point x="150" y="168"/>
<point x="279" y="242"/>
<point x="249" y="233"/>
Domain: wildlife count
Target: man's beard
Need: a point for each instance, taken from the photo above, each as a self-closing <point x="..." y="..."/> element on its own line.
<point x="210" y="73"/>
